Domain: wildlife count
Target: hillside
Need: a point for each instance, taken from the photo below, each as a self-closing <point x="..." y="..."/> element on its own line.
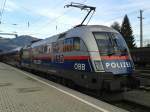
<point x="20" y="41"/>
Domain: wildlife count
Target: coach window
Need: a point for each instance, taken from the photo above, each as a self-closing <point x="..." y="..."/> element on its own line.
<point x="40" y="49"/>
<point x="60" y="46"/>
<point x="68" y="45"/>
<point x="36" y="51"/>
<point x="45" y="49"/>
<point x="49" y="48"/>
<point x="25" y="54"/>
<point x="65" y="45"/>
<point x="76" y="43"/>
<point x="55" y="47"/>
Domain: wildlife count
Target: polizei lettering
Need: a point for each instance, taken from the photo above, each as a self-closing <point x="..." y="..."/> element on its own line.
<point x="117" y="64"/>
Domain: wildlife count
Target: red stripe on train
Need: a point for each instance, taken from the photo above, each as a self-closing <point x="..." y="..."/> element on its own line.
<point x="42" y="58"/>
<point x="77" y="57"/>
<point x="114" y="57"/>
<point x="86" y="57"/>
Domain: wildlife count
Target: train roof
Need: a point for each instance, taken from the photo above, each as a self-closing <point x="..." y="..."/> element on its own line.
<point x="45" y="41"/>
<point x="83" y="28"/>
<point x="95" y="28"/>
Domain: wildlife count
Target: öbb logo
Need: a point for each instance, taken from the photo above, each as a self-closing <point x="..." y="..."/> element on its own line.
<point x="79" y="66"/>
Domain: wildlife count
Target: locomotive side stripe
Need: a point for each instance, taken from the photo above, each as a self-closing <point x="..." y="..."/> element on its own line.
<point x="114" y="57"/>
<point x="76" y="57"/>
<point x="42" y="58"/>
<point x="85" y="57"/>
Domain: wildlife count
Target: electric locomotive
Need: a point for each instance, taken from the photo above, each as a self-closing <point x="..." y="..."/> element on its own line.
<point x="92" y="56"/>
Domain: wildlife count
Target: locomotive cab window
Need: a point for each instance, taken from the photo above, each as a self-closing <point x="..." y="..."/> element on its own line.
<point x="25" y="54"/>
<point x="71" y="44"/>
<point x="45" y="49"/>
<point x="119" y="43"/>
<point x="76" y="44"/>
<point x="103" y="41"/>
<point x="55" y="47"/>
<point x="110" y="43"/>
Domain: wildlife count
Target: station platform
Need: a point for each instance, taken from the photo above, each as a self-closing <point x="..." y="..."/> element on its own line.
<point x="24" y="92"/>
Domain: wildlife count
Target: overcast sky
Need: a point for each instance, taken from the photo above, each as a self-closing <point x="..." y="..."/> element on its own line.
<point x="44" y="15"/>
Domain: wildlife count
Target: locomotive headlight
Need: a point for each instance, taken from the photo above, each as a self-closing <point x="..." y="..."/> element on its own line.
<point x="98" y="65"/>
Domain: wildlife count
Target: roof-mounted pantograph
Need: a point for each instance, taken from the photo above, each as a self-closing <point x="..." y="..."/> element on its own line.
<point x="83" y="7"/>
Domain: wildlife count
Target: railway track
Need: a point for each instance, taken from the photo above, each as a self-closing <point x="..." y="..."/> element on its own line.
<point x="143" y="69"/>
<point x="144" y="77"/>
<point x="131" y="106"/>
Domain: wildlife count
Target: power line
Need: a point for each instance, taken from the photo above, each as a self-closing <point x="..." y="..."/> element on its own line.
<point x="53" y="7"/>
<point x="52" y="21"/>
<point x="2" y="11"/>
<point x="28" y="10"/>
<point x="117" y="17"/>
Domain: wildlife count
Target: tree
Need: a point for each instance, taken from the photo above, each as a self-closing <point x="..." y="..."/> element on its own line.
<point x="127" y="32"/>
<point x="147" y="42"/>
<point x="116" y="26"/>
<point x="148" y="45"/>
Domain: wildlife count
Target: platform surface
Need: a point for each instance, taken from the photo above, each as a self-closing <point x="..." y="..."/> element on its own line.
<point x="24" y="92"/>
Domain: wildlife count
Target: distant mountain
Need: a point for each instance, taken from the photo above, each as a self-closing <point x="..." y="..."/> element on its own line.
<point x="23" y="40"/>
<point x="20" y="41"/>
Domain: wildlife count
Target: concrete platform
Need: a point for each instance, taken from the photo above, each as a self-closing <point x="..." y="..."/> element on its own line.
<point x="24" y="92"/>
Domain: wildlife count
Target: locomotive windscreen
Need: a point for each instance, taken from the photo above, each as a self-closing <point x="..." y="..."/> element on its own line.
<point x="113" y="52"/>
<point x="110" y="43"/>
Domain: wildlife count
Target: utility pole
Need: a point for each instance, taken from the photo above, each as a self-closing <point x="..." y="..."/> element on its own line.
<point x="141" y="28"/>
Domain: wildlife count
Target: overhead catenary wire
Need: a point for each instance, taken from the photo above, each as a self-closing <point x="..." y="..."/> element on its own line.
<point x="52" y="21"/>
<point x="27" y="11"/>
<point x="2" y="10"/>
<point x="132" y="12"/>
<point x="118" y="17"/>
<point x="55" y="19"/>
<point x="41" y="17"/>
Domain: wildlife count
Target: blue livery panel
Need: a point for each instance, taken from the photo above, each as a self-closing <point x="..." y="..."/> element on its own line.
<point x="118" y="66"/>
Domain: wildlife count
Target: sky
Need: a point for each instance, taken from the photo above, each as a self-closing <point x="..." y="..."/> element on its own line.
<point x="44" y="18"/>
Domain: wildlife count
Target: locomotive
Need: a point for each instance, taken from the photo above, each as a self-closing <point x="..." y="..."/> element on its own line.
<point x="91" y="56"/>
